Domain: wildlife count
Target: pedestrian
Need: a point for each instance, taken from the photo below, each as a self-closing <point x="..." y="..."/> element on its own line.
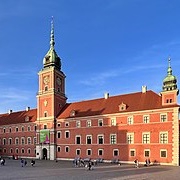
<point x="22" y="162"/>
<point x="32" y="162"/>
<point x="136" y="163"/>
<point x="89" y="165"/>
<point x="25" y="162"/>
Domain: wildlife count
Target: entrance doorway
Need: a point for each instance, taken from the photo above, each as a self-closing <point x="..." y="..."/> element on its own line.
<point x="44" y="153"/>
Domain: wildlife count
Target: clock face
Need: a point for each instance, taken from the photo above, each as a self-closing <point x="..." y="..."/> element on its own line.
<point x="58" y="81"/>
<point x="46" y="80"/>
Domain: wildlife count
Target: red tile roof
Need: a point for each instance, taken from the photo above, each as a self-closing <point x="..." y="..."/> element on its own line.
<point x="134" y="102"/>
<point x="18" y="117"/>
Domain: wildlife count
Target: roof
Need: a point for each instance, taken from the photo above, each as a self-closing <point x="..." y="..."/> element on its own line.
<point x="18" y="117"/>
<point x="134" y="102"/>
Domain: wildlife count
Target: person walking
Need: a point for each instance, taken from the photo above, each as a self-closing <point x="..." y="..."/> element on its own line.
<point x="22" y="162"/>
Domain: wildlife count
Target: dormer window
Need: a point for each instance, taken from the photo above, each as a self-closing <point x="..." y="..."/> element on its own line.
<point x="26" y="118"/>
<point x="122" y="107"/>
<point x="72" y="113"/>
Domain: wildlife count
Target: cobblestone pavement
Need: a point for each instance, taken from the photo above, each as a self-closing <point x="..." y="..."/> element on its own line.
<point x="64" y="170"/>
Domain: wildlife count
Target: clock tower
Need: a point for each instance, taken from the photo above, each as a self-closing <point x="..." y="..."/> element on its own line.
<point x="50" y="100"/>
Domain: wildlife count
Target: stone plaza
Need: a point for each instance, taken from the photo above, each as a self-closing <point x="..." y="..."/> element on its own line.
<point x="64" y="170"/>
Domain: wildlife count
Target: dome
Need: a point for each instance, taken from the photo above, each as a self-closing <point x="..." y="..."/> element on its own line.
<point x="170" y="81"/>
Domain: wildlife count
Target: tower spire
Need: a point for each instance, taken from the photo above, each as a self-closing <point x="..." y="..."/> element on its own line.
<point x="52" y="43"/>
<point x="170" y="81"/>
<point x="51" y="59"/>
<point x="169" y="72"/>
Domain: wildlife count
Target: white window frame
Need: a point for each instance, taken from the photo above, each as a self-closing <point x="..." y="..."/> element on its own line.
<point x="68" y="133"/>
<point x="88" y="123"/>
<point x="131" y="151"/>
<point x="76" y="139"/>
<point x="102" y="152"/>
<point x="130" y="138"/>
<point x="58" y="148"/>
<point x="29" y="140"/>
<point x="22" y="138"/>
<point x="66" y="147"/>
<point x="149" y="153"/>
<point x="113" y="121"/>
<point x="16" y="141"/>
<point x="146" y="119"/>
<point x="117" y="152"/>
<point x="100" y="121"/>
<point x="87" y="152"/>
<point x="89" y="138"/>
<point x="79" y="152"/>
<point x="130" y="120"/>
<point x="59" y="132"/>
<point x="165" y="151"/>
<point x="160" y="134"/>
<point x="146" y="133"/>
<point x="78" y="124"/>
<point x="161" y="119"/>
<point x="98" y="136"/>
<point x="113" y="142"/>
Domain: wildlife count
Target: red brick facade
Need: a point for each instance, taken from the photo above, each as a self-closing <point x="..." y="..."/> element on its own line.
<point x="138" y="125"/>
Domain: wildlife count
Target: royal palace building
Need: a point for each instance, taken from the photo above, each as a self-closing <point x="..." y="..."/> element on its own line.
<point x="137" y="125"/>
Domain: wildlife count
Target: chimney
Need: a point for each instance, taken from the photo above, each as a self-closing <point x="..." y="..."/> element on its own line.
<point x="144" y="89"/>
<point x="27" y="108"/>
<point x="106" y="95"/>
<point x="10" y="111"/>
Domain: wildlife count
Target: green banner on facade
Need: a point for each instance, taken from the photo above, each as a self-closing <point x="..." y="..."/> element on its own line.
<point x="44" y="136"/>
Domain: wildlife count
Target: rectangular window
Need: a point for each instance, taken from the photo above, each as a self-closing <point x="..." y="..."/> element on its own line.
<point x="4" y="130"/>
<point x="16" y="129"/>
<point x="146" y="138"/>
<point x="29" y="140"/>
<point x="163" y="117"/>
<point x="100" y="139"/>
<point x="113" y="139"/>
<point x="100" y="152"/>
<point x="163" y="137"/>
<point x="78" y="152"/>
<point x="130" y="138"/>
<point x="100" y="122"/>
<point x="115" y="152"/>
<point x="130" y="120"/>
<point x="88" y="139"/>
<point x="22" y="141"/>
<point x="67" y="134"/>
<point x="163" y="153"/>
<point x="146" y="153"/>
<point x="88" y="123"/>
<point x="132" y="152"/>
<point x="17" y="141"/>
<point x="146" y="119"/>
<point x="89" y="152"/>
<point x="10" y="141"/>
<point x="59" y="135"/>
<point x="59" y="149"/>
<point x="66" y="149"/>
<point x="113" y="122"/>
<point x="78" y="140"/>
<point x="45" y="126"/>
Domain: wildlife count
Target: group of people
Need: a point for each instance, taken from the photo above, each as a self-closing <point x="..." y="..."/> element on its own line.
<point x="147" y="163"/>
<point x="24" y="162"/>
<point x="79" y="162"/>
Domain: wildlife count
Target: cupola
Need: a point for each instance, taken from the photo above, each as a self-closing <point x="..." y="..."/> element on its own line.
<point x="170" y="81"/>
<point x="51" y="59"/>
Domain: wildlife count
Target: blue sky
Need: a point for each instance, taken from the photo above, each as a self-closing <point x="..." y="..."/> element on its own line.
<point x="113" y="46"/>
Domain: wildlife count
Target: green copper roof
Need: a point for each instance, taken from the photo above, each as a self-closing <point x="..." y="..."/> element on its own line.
<point x="51" y="58"/>
<point x="170" y="81"/>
